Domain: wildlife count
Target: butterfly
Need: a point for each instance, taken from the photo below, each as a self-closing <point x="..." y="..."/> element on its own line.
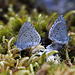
<point x="27" y="37"/>
<point x="54" y="46"/>
<point x="58" y="31"/>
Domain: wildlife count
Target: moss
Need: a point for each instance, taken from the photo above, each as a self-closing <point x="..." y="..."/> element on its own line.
<point x="10" y="59"/>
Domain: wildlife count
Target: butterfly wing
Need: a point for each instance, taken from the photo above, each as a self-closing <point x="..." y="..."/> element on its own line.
<point x="58" y="31"/>
<point x="54" y="46"/>
<point x="27" y="36"/>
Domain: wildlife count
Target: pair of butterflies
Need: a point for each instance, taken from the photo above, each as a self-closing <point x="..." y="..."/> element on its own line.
<point x="29" y="37"/>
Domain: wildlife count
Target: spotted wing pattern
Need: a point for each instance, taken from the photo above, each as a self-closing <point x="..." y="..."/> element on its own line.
<point x="58" y="31"/>
<point x="27" y="36"/>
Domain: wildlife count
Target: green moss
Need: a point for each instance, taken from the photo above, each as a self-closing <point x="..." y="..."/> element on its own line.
<point x="42" y="23"/>
<point x="5" y="73"/>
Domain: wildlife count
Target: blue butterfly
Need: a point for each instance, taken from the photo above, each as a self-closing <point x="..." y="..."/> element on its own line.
<point x="58" y="31"/>
<point x="27" y="36"/>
